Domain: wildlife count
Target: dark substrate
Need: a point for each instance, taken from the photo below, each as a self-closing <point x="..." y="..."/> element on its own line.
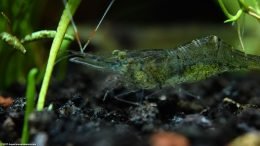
<point x="204" y="112"/>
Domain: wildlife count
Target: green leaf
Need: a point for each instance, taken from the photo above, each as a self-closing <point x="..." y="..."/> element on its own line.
<point x="30" y="95"/>
<point x="13" y="41"/>
<point x="68" y="12"/>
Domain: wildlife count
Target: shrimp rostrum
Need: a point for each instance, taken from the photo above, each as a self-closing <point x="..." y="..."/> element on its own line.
<point x="194" y="61"/>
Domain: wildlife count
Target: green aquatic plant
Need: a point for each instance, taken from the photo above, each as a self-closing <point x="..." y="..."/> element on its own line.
<point x="44" y="34"/>
<point x="69" y="10"/>
<point x="13" y="41"/>
<point x="251" y="9"/>
<point x="245" y="14"/>
<point x="18" y="44"/>
<point x="17" y="19"/>
<point x="30" y="99"/>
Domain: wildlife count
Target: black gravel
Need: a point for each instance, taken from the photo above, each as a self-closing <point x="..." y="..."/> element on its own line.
<point x="209" y="113"/>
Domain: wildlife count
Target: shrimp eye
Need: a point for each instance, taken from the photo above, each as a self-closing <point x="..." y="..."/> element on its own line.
<point x="119" y="54"/>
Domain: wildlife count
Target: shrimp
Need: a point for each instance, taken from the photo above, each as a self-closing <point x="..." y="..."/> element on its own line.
<point x="157" y="68"/>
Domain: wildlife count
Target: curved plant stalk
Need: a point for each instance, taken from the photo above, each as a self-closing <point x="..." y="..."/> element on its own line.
<point x="13" y="41"/>
<point x="235" y="17"/>
<point x="240" y="36"/>
<point x="244" y="8"/>
<point x="30" y="96"/>
<point x="254" y="12"/>
<point x="69" y="10"/>
<point x="44" y="34"/>
<point x="224" y="9"/>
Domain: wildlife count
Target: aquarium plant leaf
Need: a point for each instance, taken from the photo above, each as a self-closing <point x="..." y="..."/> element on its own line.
<point x="69" y="10"/>
<point x="30" y="96"/>
<point x="244" y="8"/>
<point x="13" y="41"/>
<point x="235" y="17"/>
<point x="44" y="34"/>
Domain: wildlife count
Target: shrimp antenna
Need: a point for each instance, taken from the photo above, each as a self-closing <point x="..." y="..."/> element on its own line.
<point x="74" y="27"/>
<point x="95" y="30"/>
<point x="92" y="33"/>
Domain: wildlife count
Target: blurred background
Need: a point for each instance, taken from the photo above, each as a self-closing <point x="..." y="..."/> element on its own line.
<point x="130" y="24"/>
<point x="145" y="24"/>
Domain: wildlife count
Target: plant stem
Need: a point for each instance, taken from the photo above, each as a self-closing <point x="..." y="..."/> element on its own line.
<point x="69" y="10"/>
<point x="30" y="95"/>
<point x="224" y="9"/>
